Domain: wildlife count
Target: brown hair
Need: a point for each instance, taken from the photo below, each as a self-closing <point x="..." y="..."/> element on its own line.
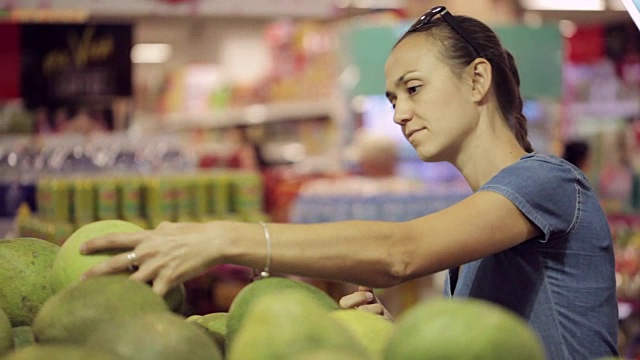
<point x="504" y="71"/>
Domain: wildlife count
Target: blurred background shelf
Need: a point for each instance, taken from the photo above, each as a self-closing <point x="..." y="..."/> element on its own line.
<point x="255" y="114"/>
<point x="611" y="109"/>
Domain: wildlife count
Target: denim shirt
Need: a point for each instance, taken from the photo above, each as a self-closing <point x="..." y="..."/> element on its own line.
<point x="562" y="282"/>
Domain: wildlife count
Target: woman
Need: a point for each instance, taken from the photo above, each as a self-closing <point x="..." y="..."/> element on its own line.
<point x="531" y="237"/>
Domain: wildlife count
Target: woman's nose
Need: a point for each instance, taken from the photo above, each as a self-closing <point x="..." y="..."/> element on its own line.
<point x="402" y="114"/>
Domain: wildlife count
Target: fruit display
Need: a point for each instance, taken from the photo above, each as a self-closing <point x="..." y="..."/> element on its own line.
<point x="6" y="334"/>
<point x="255" y="290"/>
<point x="372" y="331"/>
<point x="25" y="269"/>
<point x="302" y="323"/>
<point x="22" y="336"/>
<point x="70" y="264"/>
<point x="215" y="324"/>
<point x="462" y="329"/>
<point x="114" y="317"/>
<point x="154" y="336"/>
<point x="72" y="314"/>
<point x="58" y="352"/>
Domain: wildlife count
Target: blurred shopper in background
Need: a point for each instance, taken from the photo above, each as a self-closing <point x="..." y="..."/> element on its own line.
<point x="578" y="153"/>
<point x="373" y="154"/>
<point x="531" y="238"/>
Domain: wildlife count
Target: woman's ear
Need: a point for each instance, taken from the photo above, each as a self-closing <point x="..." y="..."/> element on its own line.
<point x="481" y="78"/>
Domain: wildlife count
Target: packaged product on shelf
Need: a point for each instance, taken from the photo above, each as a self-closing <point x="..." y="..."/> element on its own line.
<point x="246" y="192"/>
<point x="44" y="198"/>
<point x="130" y="200"/>
<point x="220" y="194"/>
<point x="83" y="202"/>
<point x="181" y="201"/>
<point x="25" y="225"/>
<point x="158" y="201"/>
<point x="60" y="231"/>
<point x="197" y="192"/>
<point x="106" y="199"/>
<point x="60" y="200"/>
<point x="34" y="226"/>
<point x="254" y="217"/>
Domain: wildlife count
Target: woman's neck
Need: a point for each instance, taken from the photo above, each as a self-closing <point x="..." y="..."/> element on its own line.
<point x="489" y="150"/>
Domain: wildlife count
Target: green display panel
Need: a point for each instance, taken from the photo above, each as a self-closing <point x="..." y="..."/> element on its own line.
<point x="367" y="48"/>
<point x="538" y="53"/>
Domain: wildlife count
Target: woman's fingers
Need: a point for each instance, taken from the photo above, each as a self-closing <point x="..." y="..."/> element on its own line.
<point x="376" y="308"/>
<point x="147" y="271"/>
<point x="117" y="263"/>
<point x="356" y="299"/>
<point x="126" y="240"/>
<point x="161" y="284"/>
<point x="365" y="300"/>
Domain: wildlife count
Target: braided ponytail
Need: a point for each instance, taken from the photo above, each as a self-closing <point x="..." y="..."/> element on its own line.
<point x="517" y="120"/>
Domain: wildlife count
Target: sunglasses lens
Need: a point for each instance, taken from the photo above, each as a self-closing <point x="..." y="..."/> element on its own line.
<point x="426" y="18"/>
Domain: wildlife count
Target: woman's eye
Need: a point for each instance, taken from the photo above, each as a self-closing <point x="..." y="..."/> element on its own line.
<point x="413" y="89"/>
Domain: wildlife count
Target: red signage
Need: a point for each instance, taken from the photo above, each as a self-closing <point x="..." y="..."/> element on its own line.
<point x="587" y="45"/>
<point x="10" y="60"/>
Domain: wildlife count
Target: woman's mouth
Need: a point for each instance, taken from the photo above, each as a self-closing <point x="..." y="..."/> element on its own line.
<point x="411" y="133"/>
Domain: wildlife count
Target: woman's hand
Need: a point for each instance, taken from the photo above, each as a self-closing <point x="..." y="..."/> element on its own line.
<point x="364" y="299"/>
<point x="166" y="256"/>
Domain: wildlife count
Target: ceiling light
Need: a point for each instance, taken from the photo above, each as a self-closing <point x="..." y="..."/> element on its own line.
<point x="564" y="5"/>
<point x="150" y="53"/>
<point x="567" y="28"/>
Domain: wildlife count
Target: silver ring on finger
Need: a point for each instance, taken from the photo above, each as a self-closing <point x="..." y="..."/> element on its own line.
<point x="133" y="265"/>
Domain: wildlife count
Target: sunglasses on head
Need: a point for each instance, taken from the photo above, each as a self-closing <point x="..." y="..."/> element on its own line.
<point x="449" y="19"/>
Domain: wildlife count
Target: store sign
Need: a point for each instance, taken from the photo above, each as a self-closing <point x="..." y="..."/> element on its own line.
<point x="64" y="63"/>
<point x="10" y="60"/>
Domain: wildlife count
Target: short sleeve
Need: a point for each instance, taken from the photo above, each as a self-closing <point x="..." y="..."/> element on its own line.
<point x="545" y="189"/>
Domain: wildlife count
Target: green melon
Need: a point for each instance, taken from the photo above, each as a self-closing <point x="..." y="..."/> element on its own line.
<point x="272" y="285"/>
<point x="22" y="336"/>
<point x="6" y="334"/>
<point x="25" y="265"/>
<point x="73" y="313"/>
<point x="462" y="329"/>
<point x="70" y="264"/>
<point x="282" y="324"/>
<point x="215" y="324"/>
<point x="152" y="336"/>
<point x="57" y="352"/>
<point x="329" y="354"/>
<point x="176" y="299"/>
<point x="373" y="331"/>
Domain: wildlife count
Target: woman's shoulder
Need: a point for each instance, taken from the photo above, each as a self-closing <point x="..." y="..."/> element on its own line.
<point x="536" y="159"/>
<point x="542" y="166"/>
<point x="537" y="173"/>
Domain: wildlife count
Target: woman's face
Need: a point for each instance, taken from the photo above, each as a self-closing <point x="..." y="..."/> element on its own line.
<point x="432" y="105"/>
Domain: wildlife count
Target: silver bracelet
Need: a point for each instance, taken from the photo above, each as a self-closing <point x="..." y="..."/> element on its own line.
<point x="267" y="237"/>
